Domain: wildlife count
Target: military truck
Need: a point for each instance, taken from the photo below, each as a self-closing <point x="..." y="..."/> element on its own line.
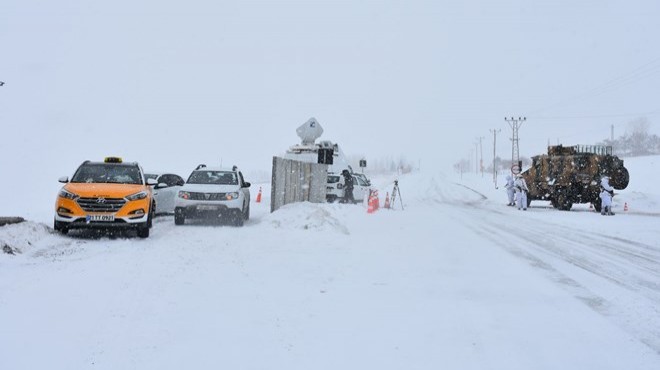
<point x="569" y="175"/>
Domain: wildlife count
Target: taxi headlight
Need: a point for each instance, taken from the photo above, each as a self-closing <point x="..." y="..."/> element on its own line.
<point x="184" y="195"/>
<point x="231" y="196"/>
<point x="68" y="195"/>
<point x="137" y="196"/>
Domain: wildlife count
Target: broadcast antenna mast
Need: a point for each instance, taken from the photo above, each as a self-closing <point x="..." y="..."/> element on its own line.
<point x="515" y="149"/>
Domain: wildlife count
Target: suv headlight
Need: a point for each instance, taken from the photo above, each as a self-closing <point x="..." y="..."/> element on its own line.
<point x="184" y="194"/>
<point x="231" y="196"/>
<point x="137" y="196"/>
<point x="68" y="195"/>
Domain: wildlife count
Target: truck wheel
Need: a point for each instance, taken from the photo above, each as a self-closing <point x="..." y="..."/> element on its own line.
<point x="179" y="219"/>
<point x="563" y="202"/>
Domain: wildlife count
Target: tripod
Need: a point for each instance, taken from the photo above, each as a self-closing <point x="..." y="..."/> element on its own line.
<point x="396" y="191"/>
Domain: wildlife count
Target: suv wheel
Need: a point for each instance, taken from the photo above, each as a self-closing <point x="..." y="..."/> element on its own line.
<point x="179" y="219"/>
<point x="238" y="218"/>
<point x="60" y="227"/>
<point x="143" y="230"/>
<point x="246" y="215"/>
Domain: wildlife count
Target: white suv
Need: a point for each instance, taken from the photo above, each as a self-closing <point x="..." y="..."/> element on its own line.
<point x="335" y="187"/>
<point x="213" y="193"/>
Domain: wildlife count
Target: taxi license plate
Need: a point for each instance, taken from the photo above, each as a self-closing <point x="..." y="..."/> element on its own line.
<point x="207" y="208"/>
<point x="100" y="218"/>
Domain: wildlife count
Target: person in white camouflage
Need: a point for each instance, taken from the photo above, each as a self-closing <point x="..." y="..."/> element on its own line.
<point x="606" y="194"/>
<point x="510" y="191"/>
<point x="521" y="192"/>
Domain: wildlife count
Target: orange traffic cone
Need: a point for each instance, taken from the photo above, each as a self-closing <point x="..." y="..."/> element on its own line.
<point x="259" y="196"/>
<point x="387" y="201"/>
<point x="370" y="207"/>
<point x="625" y="207"/>
<point x="376" y="200"/>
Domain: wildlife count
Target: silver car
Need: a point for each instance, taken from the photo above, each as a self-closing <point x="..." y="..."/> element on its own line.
<point x="166" y="190"/>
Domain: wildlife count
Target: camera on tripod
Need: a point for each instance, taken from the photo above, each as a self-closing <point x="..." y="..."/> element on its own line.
<point x="396" y="192"/>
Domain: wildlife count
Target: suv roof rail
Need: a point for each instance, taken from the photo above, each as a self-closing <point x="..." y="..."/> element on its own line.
<point x="200" y="166"/>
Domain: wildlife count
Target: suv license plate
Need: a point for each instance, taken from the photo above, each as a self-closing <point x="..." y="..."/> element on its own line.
<point x="207" y="208"/>
<point x="102" y="218"/>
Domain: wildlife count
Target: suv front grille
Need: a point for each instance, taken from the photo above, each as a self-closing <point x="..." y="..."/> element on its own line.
<point x="208" y="196"/>
<point x="101" y="204"/>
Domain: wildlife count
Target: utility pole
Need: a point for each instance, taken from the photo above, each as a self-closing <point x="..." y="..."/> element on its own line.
<point x="481" y="154"/>
<point x="476" y="157"/>
<point x="494" y="131"/>
<point x="515" y="148"/>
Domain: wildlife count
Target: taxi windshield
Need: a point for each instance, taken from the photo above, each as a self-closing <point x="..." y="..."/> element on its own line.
<point x="107" y="173"/>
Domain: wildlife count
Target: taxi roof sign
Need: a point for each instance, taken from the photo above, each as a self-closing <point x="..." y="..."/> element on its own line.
<point x="112" y="160"/>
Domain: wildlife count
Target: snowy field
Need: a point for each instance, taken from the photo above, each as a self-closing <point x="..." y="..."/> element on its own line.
<point x="457" y="280"/>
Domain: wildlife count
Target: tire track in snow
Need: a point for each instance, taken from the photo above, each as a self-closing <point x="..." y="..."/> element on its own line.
<point x="591" y="266"/>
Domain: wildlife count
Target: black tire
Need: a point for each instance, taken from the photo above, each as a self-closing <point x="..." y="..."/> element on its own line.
<point x="143" y="231"/>
<point x="179" y="219"/>
<point x="152" y="212"/>
<point x="563" y="202"/>
<point x="238" y="219"/>
<point x="60" y="227"/>
<point x="246" y="215"/>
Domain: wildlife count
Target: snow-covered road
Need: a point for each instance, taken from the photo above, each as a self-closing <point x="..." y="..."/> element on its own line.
<point x="457" y="280"/>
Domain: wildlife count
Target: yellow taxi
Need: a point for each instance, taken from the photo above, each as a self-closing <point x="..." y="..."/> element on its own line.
<point x="106" y="195"/>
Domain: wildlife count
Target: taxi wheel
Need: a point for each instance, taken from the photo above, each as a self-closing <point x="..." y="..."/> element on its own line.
<point x="143" y="232"/>
<point x="152" y="211"/>
<point x="60" y="227"/>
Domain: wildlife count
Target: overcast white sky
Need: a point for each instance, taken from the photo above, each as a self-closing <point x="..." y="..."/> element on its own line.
<point x="174" y="83"/>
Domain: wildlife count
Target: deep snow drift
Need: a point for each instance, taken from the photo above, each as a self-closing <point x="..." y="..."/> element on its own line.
<point x="456" y="280"/>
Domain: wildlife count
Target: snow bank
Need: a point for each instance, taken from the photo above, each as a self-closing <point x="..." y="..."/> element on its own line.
<point x="309" y="216"/>
<point x="21" y="237"/>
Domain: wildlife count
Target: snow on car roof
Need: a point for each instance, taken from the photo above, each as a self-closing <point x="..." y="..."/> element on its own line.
<point x="216" y="169"/>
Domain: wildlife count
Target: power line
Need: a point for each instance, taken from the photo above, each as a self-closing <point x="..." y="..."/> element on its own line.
<point x="636" y="74"/>
<point x="622" y="115"/>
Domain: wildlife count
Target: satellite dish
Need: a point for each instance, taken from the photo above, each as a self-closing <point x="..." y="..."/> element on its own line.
<point x="309" y="131"/>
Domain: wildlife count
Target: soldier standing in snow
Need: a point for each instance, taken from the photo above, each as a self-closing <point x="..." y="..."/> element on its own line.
<point x="348" y="187"/>
<point x="521" y="192"/>
<point x="606" y="194"/>
<point x="510" y="191"/>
